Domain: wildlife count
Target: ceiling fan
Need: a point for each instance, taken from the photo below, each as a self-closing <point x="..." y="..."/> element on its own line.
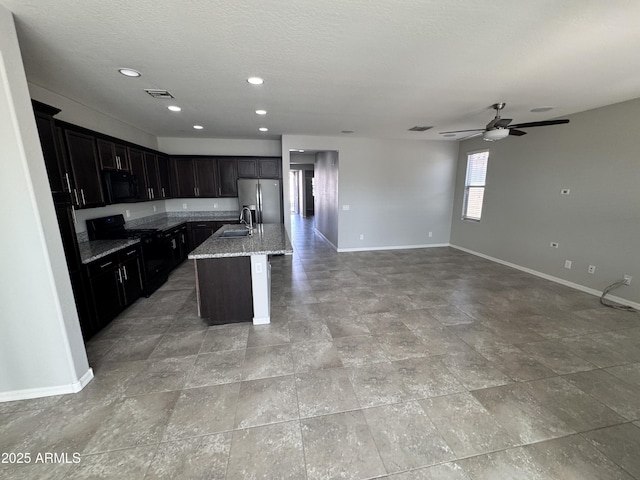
<point x="499" y="128"/>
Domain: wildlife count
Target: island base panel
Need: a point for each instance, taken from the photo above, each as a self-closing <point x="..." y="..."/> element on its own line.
<point x="224" y="290"/>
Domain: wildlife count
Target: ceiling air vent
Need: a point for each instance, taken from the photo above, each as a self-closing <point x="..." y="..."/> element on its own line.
<point x="419" y="129"/>
<point x="156" y="93"/>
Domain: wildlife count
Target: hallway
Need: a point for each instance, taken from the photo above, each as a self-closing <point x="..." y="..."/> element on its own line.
<point x="397" y="364"/>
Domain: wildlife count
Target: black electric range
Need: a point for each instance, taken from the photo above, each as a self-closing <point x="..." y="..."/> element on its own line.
<point x="155" y="257"/>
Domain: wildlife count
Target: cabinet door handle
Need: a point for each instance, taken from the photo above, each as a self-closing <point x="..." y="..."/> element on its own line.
<point x="84" y="201"/>
<point x="163" y="195"/>
<point x="120" y="276"/>
<point x="153" y="193"/>
<point x="131" y="252"/>
<point x="124" y="272"/>
<point x="66" y="176"/>
<point x="105" y="264"/>
<point x="182" y="237"/>
<point x="118" y="162"/>
<point x="75" y="192"/>
<point x="219" y="191"/>
<point x="174" y="245"/>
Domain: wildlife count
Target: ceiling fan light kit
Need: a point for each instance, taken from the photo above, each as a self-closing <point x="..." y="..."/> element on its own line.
<point x="494" y="135"/>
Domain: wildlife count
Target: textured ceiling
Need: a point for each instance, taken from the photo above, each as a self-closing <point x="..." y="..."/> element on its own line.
<point x="374" y="67"/>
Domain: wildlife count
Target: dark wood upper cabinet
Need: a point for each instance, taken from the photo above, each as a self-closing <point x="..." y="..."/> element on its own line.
<point x="259" y="167"/>
<point x="184" y="177"/>
<point x="247" y="168"/>
<point x="227" y="177"/>
<point x="56" y="170"/>
<point x="269" y="167"/>
<point x="83" y="158"/>
<point x="113" y="156"/>
<point x="136" y="160"/>
<point x="206" y="177"/>
<point x="164" y="177"/>
<point x="153" y="178"/>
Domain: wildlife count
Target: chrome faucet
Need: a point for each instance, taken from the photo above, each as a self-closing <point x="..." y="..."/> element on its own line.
<point x="243" y="219"/>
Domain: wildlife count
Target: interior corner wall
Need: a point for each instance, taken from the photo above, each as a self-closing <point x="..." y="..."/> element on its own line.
<point x="41" y="347"/>
<point x="79" y="114"/>
<point x="396" y="191"/>
<point x="326" y="200"/>
<point x="595" y="156"/>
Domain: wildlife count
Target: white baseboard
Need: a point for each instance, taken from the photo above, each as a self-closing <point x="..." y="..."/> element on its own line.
<point x="399" y="247"/>
<point x="261" y="320"/>
<point x="47" y="391"/>
<point x="567" y="283"/>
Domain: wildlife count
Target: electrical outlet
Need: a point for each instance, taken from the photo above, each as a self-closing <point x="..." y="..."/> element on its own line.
<point x="184" y="206"/>
<point x="554" y="244"/>
<point x="627" y="279"/>
<point x="591" y="269"/>
<point x="567" y="264"/>
<point x="346" y="207"/>
<point x="155" y="208"/>
<point x="215" y="205"/>
<point x="362" y="236"/>
<point x="430" y="234"/>
<point x="127" y="213"/>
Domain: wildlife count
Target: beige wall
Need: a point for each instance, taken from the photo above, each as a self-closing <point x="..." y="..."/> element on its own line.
<point x="397" y="190"/>
<point x="598" y="223"/>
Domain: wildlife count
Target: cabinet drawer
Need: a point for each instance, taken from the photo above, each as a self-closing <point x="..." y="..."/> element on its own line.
<point x="102" y="265"/>
<point x="128" y="253"/>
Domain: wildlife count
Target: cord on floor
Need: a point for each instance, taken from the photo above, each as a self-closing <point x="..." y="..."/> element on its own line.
<point x="617" y="306"/>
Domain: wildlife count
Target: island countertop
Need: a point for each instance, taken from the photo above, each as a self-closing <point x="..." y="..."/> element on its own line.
<point x="267" y="239"/>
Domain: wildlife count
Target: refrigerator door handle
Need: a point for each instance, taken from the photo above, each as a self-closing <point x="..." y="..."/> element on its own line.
<point x="260" y="196"/>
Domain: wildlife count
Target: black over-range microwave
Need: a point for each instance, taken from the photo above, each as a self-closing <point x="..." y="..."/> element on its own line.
<point x="120" y="187"/>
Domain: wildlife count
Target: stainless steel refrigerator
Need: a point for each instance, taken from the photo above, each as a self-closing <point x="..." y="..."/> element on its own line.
<point x="263" y="197"/>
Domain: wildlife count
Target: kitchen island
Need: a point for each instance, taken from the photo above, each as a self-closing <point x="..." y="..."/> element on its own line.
<point x="233" y="274"/>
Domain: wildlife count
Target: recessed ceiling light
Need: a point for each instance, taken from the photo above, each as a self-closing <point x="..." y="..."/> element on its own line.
<point x="263" y="129"/>
<point x="347" y="131"/>
<point x="174" y="108"/>
<point x="129" y="72"/>
<point x="198" y="127"/>
<point x="261" y="112"/>
<point x="255" y="80"/>
<point x="541" y="109"/>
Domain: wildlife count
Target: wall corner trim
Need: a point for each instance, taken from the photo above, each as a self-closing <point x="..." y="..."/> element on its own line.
<point x="576" y="286"/>
<point x="26" y="394"/>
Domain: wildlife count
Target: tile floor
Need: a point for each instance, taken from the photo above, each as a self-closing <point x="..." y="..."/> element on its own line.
<point x="399" y="365"/>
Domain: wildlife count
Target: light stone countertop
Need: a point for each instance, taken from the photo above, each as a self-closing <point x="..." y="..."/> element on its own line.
<point x="168" y="221"/>
<point x="96" y="249"/>
<point x="267" y="239"/>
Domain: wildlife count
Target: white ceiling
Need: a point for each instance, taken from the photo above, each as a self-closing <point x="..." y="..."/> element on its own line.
<point x="376" y="67"/>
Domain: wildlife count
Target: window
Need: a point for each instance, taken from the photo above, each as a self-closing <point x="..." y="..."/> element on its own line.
<point x="474" y="185"/>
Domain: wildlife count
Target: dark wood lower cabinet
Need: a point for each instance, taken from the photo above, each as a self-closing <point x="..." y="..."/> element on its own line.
<point x="224" y="290"/>
<point x="176" y="245"/>
<point x="200" y="231"/>
<point x="114" y="283"/>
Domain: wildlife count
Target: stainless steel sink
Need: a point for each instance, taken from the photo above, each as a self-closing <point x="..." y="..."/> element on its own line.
<point x="234" y="233"/>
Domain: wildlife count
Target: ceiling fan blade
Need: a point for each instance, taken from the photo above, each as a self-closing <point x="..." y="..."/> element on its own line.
<point x="460" y="131"/>
<point x="540" y="124"/>
<point x="517" y="133"/>
<point x="471" y="136"/>
<point x="503" y="122"/>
